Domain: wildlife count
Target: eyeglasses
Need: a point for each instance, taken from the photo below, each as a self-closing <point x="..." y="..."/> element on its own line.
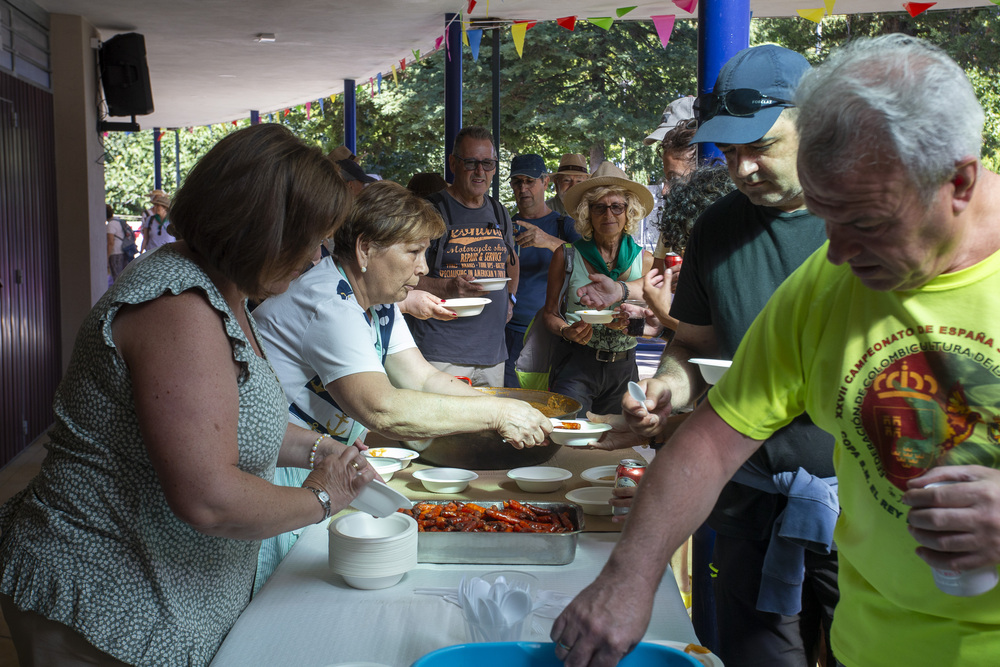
<point x="600" y="209"/>
<point x="470" y="164"/>
<point x="737" y="102"/>
<point x="522" y="183"/>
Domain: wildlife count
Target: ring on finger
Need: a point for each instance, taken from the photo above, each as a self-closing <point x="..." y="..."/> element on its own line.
<point x="356" y="465"/>
<point x="564" y="647"/>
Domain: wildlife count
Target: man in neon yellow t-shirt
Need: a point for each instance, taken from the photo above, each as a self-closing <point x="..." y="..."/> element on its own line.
<point x="889" y="338"/>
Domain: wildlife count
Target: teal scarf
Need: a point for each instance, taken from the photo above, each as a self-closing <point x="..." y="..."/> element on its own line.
<point x="627" y="252"/>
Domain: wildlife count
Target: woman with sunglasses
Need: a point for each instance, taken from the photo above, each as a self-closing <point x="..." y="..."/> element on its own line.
<point x="596" y="361"/>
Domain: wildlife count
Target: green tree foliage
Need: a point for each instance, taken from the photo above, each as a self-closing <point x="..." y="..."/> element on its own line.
<point x="591" y="91"/>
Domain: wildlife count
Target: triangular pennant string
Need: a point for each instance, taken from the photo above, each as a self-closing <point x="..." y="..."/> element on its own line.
<point x="624" y="10"/>
<point x="475" y="39"/>
<point x="322" y="109"/>
<point x="234" y="125"/>
<point x="378" y="80"/>
<point x="472" y="5"/>
<point x="914" y="9"/>
<point x="371" y="86"/>
<point x="395" y="77"/>
<point x="687" y="5"/>
<point x="309" y="110"/>
<point x="402" y="65"/>
<point x="569" y="22"/>
<point x="437" y="42"/>
<point x="517" y="32"/>
<point x="829" y="6"/>
<point x="664" y="26"/>
<point x="465" y="35"/>
<point x="416" y="54"/>
<point x="288" y="111"/>
<point x="814" y="15"/>
<point x="602" y="22"/>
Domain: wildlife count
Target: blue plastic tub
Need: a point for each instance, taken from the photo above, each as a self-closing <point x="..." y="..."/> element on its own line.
<point x="535" y="654"/>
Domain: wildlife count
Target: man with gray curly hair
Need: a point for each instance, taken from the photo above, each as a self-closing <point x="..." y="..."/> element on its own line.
<point x="888" y="337"/>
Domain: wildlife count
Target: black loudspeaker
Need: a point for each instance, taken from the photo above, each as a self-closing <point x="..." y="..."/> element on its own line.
<point x="124" y="75"/>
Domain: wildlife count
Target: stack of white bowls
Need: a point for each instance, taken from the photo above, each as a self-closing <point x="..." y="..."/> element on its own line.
<point x="373" y="553"/>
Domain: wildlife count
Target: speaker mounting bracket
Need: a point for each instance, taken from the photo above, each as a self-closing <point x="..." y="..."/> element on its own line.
<point x="105" y="126"/>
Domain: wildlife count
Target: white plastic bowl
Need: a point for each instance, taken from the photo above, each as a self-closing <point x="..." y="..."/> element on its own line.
<point x="372" y="583"/>
<point x="466" y="307"/>
<point x="490" y="284"/>
<point x="372" y="553"/>
<point x="539" y="479"/>
<point x="596" y="316"/>
<point x="385" y="466"/>
<point x="600" y="476"/>
<point x="580" y="437"/>
<point x="401" y="453"/>
<point x="445" y="480"/>
<point x="593" y="499"/>
<point x="712" y="369"/>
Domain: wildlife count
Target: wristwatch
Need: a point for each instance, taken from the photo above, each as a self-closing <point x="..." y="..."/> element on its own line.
<point x="324" y="499"/>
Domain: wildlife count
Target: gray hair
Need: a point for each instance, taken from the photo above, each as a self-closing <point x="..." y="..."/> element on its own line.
<point x="894" y="95"/>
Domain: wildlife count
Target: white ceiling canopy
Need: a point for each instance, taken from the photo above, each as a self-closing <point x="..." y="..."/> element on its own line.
<point x="206" y="66"/>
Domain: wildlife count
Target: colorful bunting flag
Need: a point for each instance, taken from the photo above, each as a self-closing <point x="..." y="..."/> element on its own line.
<point x="602" y="21"/>
<point x="664" y="26"/>
<point x="395" y="77"/>
<point x="379" y="80"/>
<point x="416" y="54"/>
<point x="437" y="42"/>
<point x="475" y="39"/>
<point x="288" y="111"/>
<point x="159" y="137"/>
<point x="322" y="109"/>
<point x="517" y="32"/>
<point x="624" y="10"/>
<point x="914" y="9"/>
<point x="687" y="5"/>
<point x="569" y="22"/>
<point x="472" y="5"/>
<point x="309" y="110"/>
<point x="465" y="35"/>
<point x="234" y="123"/>
<point x="402" y="65"/>
<point x="371" y="86"/>
<point x="829" y="6"/>
<point x="814" y="15"/>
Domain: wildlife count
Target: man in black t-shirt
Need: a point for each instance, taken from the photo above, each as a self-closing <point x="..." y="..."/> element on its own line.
<point x="741" y="249"/>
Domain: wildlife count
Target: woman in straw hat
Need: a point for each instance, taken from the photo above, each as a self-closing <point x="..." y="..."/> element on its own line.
<point x="596" y="361"/>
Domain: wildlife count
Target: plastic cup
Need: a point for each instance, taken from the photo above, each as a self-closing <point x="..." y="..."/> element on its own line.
<point x="967" y="583"/>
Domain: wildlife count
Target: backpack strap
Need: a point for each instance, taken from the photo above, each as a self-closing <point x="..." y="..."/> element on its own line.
<point x="503" y="224"/>
<point x="568" y="254"/>
<point x="434" y="254"/>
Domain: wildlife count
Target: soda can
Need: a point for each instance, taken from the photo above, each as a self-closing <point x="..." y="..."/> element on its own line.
<point x="627" y="474"/>
<point x="673" y="261"/>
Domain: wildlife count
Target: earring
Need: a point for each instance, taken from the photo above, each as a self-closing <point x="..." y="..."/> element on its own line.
<point x="364" y="269"/>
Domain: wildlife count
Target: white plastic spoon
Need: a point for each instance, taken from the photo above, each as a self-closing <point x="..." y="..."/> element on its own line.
<point x="636" y="392"/>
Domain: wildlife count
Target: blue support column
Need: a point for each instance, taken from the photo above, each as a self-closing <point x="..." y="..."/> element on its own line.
<point x="351" y="115"/>
<point x="157" y="161"/>
<point x="497" y="65"/>
<point x="254" y="117"/>
<point x="452" y="87"/>
<point x="177" y="155"/>
<point x="723" y="31"/>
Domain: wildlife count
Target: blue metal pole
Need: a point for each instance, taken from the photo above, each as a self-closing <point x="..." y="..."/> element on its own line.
<point x="157" y="166"/>
<point x="254" y="117"/>
<point x="452" y="88"/>
<point x="723" y="31"/>
<point x="351" y="115"/>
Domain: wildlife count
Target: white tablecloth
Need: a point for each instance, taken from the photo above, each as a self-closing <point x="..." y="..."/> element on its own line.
<point x="307" y="616"/>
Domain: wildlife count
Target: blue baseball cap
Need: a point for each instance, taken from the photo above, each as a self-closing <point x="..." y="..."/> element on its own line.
<point x="529" y="164"/>
<point x="769" y="69"/>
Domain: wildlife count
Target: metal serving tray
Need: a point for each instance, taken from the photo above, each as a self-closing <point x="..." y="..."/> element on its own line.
<point x="503" y="548"/>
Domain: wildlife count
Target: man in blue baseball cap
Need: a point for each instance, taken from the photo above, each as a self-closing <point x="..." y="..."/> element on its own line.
<point x="539" y="231"/>
<point x="774" y="604"/>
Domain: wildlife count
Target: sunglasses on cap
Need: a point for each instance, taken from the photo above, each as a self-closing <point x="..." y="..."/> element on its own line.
<point x="736" y="102"/>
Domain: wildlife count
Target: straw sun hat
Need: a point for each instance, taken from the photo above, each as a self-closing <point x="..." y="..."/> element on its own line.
<point x="608" y="175"/>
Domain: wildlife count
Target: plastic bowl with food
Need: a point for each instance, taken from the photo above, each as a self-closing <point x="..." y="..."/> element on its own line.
<point x="539" y="479"/>
<point x="490" y="284"/>
<point x="576" y="432"/>
<point x="593" y="499"/>
<point x="712" y="369"/>
<point x="596" y="316"/>
<point x="600" y="475"/>
<point x="385" y="466"/>
<point x="445" y="480"/>
<point x="405" y="456"/>
<point x="466" y="307"/>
